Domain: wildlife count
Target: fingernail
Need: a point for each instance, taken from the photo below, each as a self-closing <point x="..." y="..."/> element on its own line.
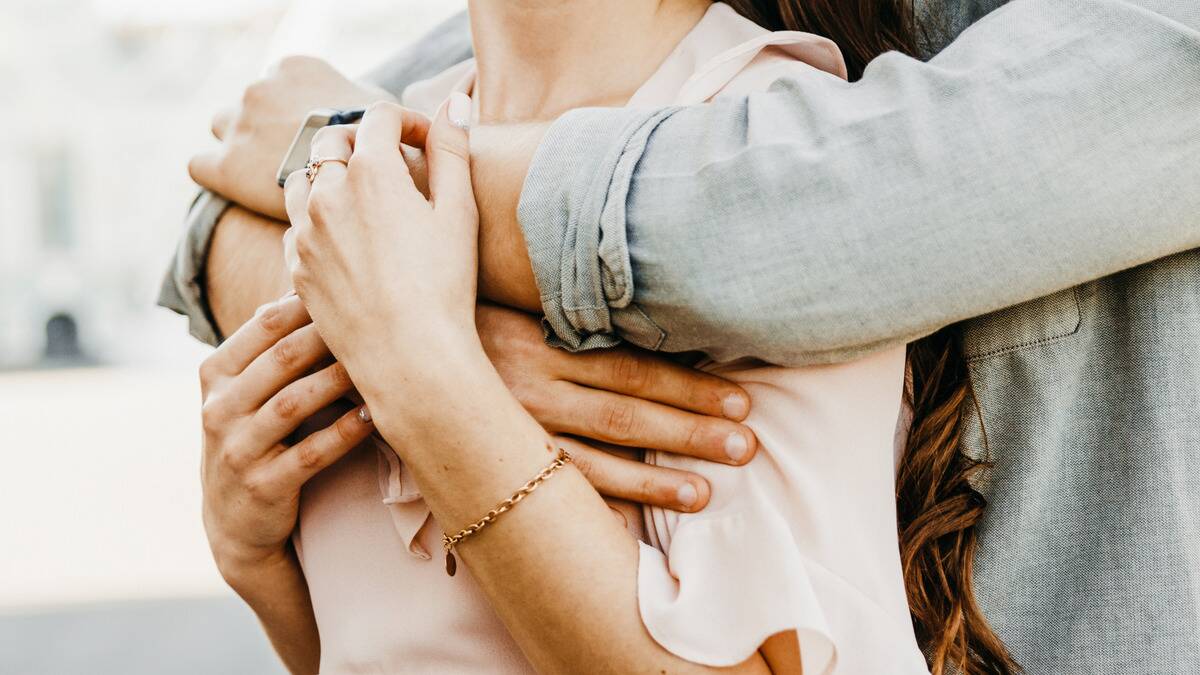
<point x="364" y="415"/>
<point x="687" y="495"/>
<point x="736" y="406"/>
<point x="736" y="446"/>
<point x="458" y="110"/>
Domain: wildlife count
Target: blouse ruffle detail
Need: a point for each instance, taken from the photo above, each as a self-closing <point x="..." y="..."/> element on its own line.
<point x="692" y="607"/>
<point x="402" y="499"/>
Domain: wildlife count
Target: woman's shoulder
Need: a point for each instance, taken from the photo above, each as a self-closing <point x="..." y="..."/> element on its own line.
<point x="744" y="57"/>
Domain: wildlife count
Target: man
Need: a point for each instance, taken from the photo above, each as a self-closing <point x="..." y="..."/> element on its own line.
<point x="1020" y="176"/>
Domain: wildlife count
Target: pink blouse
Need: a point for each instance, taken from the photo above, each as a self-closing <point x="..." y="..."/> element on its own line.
<point x="803" y="538"/>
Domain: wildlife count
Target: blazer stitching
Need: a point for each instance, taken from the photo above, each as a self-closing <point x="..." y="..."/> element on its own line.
<point x="1035" y="343"/>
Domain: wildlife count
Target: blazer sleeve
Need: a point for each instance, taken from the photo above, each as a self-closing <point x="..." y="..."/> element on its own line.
<point x="1052" y="143"/>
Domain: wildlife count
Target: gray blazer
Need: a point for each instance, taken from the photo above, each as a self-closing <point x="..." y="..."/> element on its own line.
<point x="1016" y="181"/>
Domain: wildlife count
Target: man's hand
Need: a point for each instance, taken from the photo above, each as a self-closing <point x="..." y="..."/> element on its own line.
<point x="255" y="134"/>
<point x="621" y="397"/>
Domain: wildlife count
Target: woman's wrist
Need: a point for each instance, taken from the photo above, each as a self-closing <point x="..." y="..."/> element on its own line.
<point x="253" y="576"/>
<point x="244" y="566"/>
<point x="424" y="360"/>
<point x="276" y="591"/>
<point x="414" y="387"/>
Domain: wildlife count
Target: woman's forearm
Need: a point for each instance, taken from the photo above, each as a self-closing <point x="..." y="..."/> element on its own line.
<point x="278" y="594"/>
<point x="396" y="306"/>
<point x="558" y="569"/>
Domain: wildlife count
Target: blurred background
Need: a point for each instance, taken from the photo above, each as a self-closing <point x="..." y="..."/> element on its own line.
<point x="103" y="562"/>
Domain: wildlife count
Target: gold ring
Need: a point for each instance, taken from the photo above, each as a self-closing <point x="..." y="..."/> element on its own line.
<point x="314" y="165"/>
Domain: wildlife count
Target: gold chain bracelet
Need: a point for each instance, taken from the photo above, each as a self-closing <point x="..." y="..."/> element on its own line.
<point x="449" y="542"/>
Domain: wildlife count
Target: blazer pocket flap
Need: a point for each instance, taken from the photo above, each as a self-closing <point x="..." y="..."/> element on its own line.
<point x="1022" y="326"/>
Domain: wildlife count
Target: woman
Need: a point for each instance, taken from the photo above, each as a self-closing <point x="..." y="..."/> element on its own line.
<point x="407" y="302"/>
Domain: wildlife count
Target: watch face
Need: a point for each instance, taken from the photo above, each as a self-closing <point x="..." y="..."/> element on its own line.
<point x="298" y="154"/>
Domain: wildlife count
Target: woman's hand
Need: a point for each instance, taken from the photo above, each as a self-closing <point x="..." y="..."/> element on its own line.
<point x="366" y="264"/>
<point x="371" y="276"/>
<point x="258" y="387"/>
<point x="390" y="281"/>
<point x="256" y="133"/>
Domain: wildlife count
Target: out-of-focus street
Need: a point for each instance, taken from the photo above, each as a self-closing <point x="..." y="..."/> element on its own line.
<point x="104" y="567"/>
<point x="100" y="494"/>
<point x="203" y="636"/>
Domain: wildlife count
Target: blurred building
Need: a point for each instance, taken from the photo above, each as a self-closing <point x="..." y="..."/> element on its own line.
<point x="112" y="97"/>
<point x="93" y="182"/>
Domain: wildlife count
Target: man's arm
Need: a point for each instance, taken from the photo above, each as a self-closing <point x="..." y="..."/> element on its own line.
<point x="1054" y="142"/>
<point x="245" y="267"/>
<point x="215" y="310"/>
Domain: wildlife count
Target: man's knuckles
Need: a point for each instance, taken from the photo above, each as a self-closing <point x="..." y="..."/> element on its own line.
<point x="299" y="64"/>
<point x="204" y="169"/>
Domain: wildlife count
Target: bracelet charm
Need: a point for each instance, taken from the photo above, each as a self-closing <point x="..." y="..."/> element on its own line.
<point x="449" y="542"/>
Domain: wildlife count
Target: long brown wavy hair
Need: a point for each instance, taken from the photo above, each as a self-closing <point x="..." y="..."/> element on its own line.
<point x="937" y="508"/>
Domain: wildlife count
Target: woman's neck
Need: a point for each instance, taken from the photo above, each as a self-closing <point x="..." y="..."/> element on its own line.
<point x="539" y="58"/>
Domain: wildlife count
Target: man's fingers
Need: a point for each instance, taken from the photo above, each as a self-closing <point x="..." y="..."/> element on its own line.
<point x="222" y="122"/>
<point x="270" y="324"/>
<point x="298" y="401"/>
<point x="633" y="422"/>
<point x="645" y="375"/>
<point x="623" y="478"/>
<point x="284" y="362"/>
<point x="302" y="461"/>
<point x="205" y="170"/>
<point x="448" y="150"/>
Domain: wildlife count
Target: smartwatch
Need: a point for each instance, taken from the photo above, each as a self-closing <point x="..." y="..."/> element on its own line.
<point x="300" y="151"/>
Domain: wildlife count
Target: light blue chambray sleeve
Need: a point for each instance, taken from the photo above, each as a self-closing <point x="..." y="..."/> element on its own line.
<point x="1053" y="142"/>
<point x="183" y="286"/>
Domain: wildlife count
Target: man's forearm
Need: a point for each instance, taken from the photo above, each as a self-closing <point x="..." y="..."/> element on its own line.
<point x="500" y="156"/>
<point x="1054" y="143"/>
<point x="245" y="267"/>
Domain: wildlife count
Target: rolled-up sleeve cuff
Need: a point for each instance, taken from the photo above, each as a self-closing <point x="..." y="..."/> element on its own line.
<point x="183" y="288"/>
<point x="572" y="212"/>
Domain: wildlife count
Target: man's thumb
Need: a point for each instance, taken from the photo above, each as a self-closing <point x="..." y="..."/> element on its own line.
<point x="448" y="150"/>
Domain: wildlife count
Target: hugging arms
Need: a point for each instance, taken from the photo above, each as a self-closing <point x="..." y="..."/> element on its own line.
<point x="581" y="318"/>
<point x="946" y="185"/>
